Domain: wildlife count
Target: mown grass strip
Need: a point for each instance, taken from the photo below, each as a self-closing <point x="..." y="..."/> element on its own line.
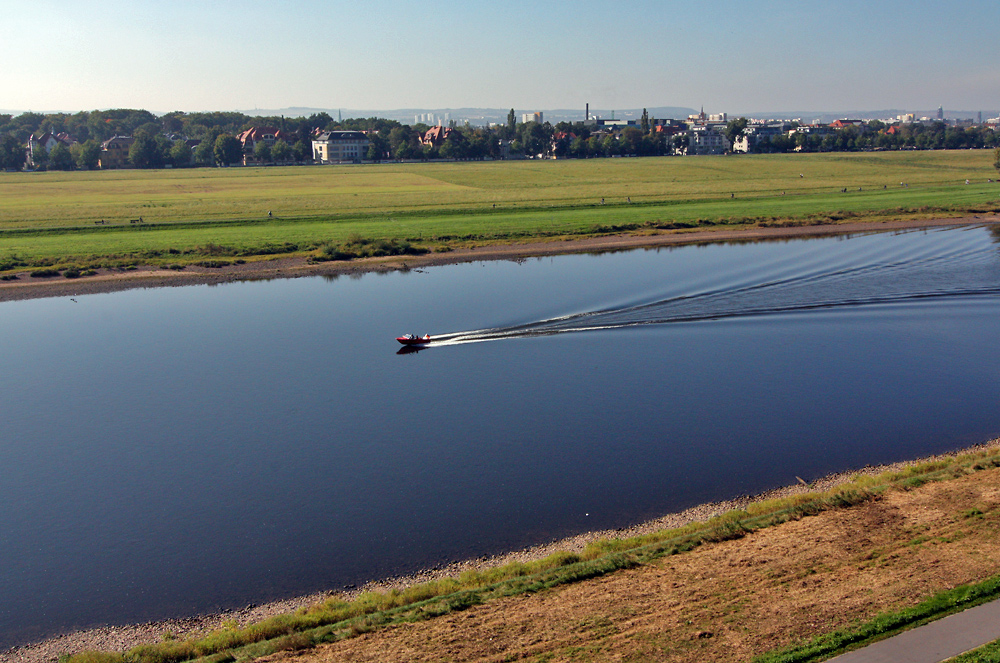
<point x="47" y="218"/>
<point x="338" y="619"/>
<point x="986" y="654"/>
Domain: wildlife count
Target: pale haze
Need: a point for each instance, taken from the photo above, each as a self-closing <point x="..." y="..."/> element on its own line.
<point x="71" y="55"/>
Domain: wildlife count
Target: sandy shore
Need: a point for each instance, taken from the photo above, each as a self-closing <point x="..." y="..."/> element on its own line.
<point x="27" y="287"/>
<point x="122" y="637"/>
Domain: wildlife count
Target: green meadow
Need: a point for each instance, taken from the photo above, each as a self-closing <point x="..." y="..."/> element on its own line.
<point x="55" y="217"/>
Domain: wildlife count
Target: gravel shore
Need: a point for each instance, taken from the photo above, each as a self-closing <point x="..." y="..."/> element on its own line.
<point x="119" y="638"/>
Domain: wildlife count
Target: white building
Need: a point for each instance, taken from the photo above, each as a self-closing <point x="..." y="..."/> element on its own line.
<point x="706" y="140"/>
<point x="758" y="131"/>
<point x="340" y="146"/>
<point x="532" y="117"/>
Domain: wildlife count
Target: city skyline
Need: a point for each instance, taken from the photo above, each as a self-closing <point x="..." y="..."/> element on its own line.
<point x="773" y="56"/>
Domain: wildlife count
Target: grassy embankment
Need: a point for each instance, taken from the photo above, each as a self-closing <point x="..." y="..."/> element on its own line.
<point x="338" y="619"/>
<point x="53" y="219"/>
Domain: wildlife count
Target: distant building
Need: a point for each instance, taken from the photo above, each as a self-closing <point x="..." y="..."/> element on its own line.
<point x="46" y="141"/>
<point x="598" y="123"/>
<point x="114" y="152"/>
<point x="707" y="140"/>
<point x="340" y="147"/>
<point x="814" y="130"/>
<point x="843" y="124"/>
<point x="250" y="138"/>
<point x="668" y="127"/>
<point x="757" y="132"/>
<point x="703" y="120"/>
<point x="436" y="136"/>
<point x="532" y="117"/>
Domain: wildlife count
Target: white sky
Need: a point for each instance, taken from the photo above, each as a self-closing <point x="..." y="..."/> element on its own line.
<point x="728" y="56"/>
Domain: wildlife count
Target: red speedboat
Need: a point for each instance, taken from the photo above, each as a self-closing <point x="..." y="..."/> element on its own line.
<point x="411" y="339"/>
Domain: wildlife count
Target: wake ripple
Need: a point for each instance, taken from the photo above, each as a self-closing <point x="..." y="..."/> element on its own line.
<point x="943" y="266"/>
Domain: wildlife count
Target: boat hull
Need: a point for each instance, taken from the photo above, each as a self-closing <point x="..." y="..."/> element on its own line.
<point x="416" y="340"/>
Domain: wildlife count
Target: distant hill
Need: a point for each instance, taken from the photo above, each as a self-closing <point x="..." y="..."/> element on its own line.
<point x="889" y="113"/>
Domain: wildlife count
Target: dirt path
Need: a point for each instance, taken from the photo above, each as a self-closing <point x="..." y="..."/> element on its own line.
<point x="150" y="277"/>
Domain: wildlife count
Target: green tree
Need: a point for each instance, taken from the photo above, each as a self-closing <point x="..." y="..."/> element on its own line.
<point x="630" y="140"/>
<point x="302" y="151"/>
<point x="204" y="152"/>
<point x="511" y="123"/>
<point x="262" y="152"/>
<point x="180" y="154"/>
<point x="145" y="152"/>
<point x="644" y="125"/>
<point x="86" y="154"/>
<point x="40" y="158"/>
<point x="996" y="158"/>
<point x="281" y="151"/>
<point x="610" y="145"/>
<point x="535" y="138"/>
<point x="407" y="150"/>
<point x="478" y="146"/>
<point x="60" y="157"/>
<point x="578" y="148"/>
<point x="377" y="147"/>
<point x="12" y="153"/>
<point x="227" y="150"/>
<point x="454" y="146"/>
<point x="735" y="129"/>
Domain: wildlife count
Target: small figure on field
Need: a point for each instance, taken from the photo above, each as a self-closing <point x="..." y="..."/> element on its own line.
<point x="269" y="214"/>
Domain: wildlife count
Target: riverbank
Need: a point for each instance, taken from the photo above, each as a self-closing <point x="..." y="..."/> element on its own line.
<point x="105" y="280"/>
<point x="119" y="638"/>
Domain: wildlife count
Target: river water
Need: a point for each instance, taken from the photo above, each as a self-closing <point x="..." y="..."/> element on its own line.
<point x="173" y="451"/>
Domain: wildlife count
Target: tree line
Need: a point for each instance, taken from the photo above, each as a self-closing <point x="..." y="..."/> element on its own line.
<point x="876" y="135"/>
<point x="181" y="139"/>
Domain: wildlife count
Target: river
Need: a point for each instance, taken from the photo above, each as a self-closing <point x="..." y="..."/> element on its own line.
<point x="167" y="452"/>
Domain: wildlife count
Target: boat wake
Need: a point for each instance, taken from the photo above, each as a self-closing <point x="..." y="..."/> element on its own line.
<point x="932" y="270"/>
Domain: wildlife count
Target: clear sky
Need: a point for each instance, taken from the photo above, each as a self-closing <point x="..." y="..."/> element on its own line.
<point x="729" y="56"/>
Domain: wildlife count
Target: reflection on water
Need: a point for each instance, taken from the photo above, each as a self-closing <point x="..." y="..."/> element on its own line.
<point x="167" y="452"/>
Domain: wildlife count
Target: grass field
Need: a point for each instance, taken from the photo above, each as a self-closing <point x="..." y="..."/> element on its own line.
<point x="48" y="218"/>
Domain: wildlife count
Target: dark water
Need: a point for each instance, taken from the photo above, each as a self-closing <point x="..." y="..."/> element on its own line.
<point x="168" y="452"/>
